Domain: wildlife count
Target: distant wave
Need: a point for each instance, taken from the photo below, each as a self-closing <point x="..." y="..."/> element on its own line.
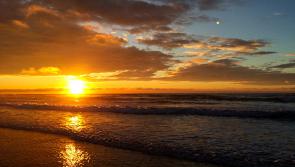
<point x="205" y="98"/>
<point x="218" y="112"/>
<point x="197" y="98"/>
<point x="255" y="97"/>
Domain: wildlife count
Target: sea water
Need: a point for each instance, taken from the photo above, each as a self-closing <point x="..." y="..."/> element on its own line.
<point x="223" y="129"/>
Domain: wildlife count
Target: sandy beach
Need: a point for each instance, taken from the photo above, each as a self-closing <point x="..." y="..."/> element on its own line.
<point x="24" y="148"/>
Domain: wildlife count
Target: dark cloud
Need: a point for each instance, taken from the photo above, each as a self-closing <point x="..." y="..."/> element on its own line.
<point x="230" y="70"/>
<point x="143" y="29"/>
<point x="263" y="53"/>
<point x="127" y="12"/>
<point x="168" y="40"/>
<point x="209" y="4"/>
<point x="204" y="5"/>
<point x="54" y="43"/>
<point x="45" y="37"/>
<point x="11" y="10"/>
<point x="286" y="65"/>
<point x="216" y="4"/>
<point x="199" y="18"/>
<point x="148" y="15"/>
<point x="154" y="14"/>
<point x="235" y="44"/>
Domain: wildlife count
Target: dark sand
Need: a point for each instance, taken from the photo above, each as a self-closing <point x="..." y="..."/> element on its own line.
<point x="24" y="148"/>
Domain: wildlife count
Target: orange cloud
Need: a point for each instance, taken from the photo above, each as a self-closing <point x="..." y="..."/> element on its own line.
<point x="20" y="24"/>
<point x="230" y="70"/>
<point x="230" y="44"/>
<point x="53" y="40"/>
<point x="106" y="39"/>
<point x="71" y="48"/>
<point x="199" y="60"/>
<point x="168" y="40"/>
<point x="103" y="75"/>
<point x="41" y="71"/>
<point x="34" y="9"/>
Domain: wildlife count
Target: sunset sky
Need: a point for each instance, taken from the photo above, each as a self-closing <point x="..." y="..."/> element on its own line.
<point x="148" y="45"/>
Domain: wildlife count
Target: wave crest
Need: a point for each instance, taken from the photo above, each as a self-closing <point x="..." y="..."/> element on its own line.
<point x="218" y="112"/>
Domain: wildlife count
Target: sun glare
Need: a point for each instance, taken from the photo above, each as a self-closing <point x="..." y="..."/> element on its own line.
<point x="73" y="156"/>
<point x="75" y="123"/>
<point x="76" y="86"/>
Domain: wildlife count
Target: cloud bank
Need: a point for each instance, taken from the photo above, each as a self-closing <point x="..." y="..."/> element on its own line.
<point x="47" y="37"/>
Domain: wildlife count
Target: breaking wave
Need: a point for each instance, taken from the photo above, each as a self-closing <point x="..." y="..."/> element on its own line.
<point x="203" y="111"/>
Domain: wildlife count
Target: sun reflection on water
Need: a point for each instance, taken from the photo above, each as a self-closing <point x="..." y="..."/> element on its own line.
<point x="73" y="157"/>
<point x="75" y="123"/>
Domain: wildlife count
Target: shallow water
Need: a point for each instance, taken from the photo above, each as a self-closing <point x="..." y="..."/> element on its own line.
<point x="23" y="148"/>
<point x="229" y="141"/>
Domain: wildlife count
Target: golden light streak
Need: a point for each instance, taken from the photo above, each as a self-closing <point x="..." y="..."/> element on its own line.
<point x="73" y="157"/>
<point x="75" y="123"/>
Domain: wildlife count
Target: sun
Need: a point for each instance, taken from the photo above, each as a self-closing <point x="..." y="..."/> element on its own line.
<point x="76" y="86"/>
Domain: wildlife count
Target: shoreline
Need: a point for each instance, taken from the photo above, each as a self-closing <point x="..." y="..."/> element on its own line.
<point x="26" y="148"/>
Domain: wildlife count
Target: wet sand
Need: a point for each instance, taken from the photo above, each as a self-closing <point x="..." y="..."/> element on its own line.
<point x="24" y="148"/>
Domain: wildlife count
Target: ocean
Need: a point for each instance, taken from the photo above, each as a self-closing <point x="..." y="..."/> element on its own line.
<point x="234" y="130"/>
